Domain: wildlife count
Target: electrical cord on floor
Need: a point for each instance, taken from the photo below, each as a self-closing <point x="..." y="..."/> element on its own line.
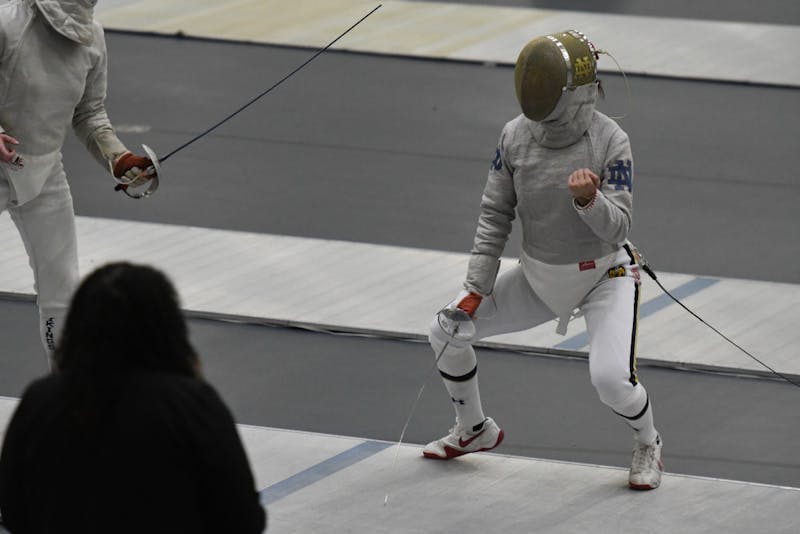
<point x="646" y="267"/>
<point x="416" y="400"/>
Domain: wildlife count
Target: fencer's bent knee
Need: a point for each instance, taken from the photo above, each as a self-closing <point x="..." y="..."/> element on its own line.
<point x="614" y="389"/>
<point x="438" y="337"/>
<point x="456" y="357"/>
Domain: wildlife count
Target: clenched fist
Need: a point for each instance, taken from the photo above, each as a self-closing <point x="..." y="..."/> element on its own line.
<point x="583" y="185"/>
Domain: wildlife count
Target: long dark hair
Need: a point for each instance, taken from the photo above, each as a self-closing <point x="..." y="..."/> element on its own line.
<point x="125" y="318"/>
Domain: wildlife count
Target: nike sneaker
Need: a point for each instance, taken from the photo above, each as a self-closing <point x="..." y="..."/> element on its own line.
<point x="482" y="437"/>
<point x="646" y="467"/>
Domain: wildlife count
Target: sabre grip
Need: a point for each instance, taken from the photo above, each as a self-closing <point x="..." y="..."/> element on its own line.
<point x="127" y="161"/>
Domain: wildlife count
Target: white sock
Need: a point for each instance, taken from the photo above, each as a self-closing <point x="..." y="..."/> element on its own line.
<point x="466" y="398"/>
<point x="640" y="417"/>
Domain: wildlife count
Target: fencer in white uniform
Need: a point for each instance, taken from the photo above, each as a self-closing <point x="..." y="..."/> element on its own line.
<point x="52" y="76"/>
<point x="567" y="171"/>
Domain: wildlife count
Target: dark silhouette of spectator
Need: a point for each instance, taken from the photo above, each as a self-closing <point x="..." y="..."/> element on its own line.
<point x="125" y="435"/>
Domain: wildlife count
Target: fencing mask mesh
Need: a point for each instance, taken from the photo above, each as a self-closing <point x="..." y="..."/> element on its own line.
<point x="550" y="65"/>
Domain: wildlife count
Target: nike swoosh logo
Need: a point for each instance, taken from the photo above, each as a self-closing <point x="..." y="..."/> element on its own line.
<point x="462" y="443"/>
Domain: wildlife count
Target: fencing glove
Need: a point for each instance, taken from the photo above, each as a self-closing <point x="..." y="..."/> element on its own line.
<point x="133" y="170"/>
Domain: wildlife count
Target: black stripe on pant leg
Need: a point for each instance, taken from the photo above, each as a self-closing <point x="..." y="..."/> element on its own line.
<point x="462" y="378"/>
<point x="633" y="379"/>
<point x="640" y="414"/>
<point x="630" y="253"/>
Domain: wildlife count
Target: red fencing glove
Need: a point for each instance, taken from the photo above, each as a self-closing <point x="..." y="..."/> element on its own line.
<point x="137" y="170"/>
<point x="468" y="301"/>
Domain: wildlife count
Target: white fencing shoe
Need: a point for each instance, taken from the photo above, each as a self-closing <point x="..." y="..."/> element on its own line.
<point x="646" y="467"/>
<point x="483" y="437"/>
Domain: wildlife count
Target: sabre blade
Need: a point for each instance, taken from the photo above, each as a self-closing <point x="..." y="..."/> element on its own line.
<point x="264" y="93"/>
<point x="153" y="184"/>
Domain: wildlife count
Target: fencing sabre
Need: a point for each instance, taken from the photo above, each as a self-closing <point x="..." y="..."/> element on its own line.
<point x="646" y="267"/>
<point x="459" y="326"/>
<point x="123" y="183"/>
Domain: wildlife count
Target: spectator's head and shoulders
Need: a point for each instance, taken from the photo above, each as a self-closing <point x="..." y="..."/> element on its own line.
<point x="124" y="331"/>
<point x="125" y="435"/>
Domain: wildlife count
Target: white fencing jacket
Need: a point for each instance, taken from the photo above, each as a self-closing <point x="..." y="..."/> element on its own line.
<point x="52" y="75"/>
<point x="565" y="248"/>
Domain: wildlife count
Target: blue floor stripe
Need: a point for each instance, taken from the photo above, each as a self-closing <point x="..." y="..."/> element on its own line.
<point x="317" y="472"/>
<point x="648" y="308"/>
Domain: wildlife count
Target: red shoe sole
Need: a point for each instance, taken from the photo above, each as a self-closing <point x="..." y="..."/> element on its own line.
<point x="646" y="487"/>
<point x="641" y="487"/>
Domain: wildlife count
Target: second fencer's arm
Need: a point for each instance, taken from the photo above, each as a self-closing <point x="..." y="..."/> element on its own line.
<point x="8" y="153"/>
<point x="93" y="127"/>
<point x="90" y="120"/>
